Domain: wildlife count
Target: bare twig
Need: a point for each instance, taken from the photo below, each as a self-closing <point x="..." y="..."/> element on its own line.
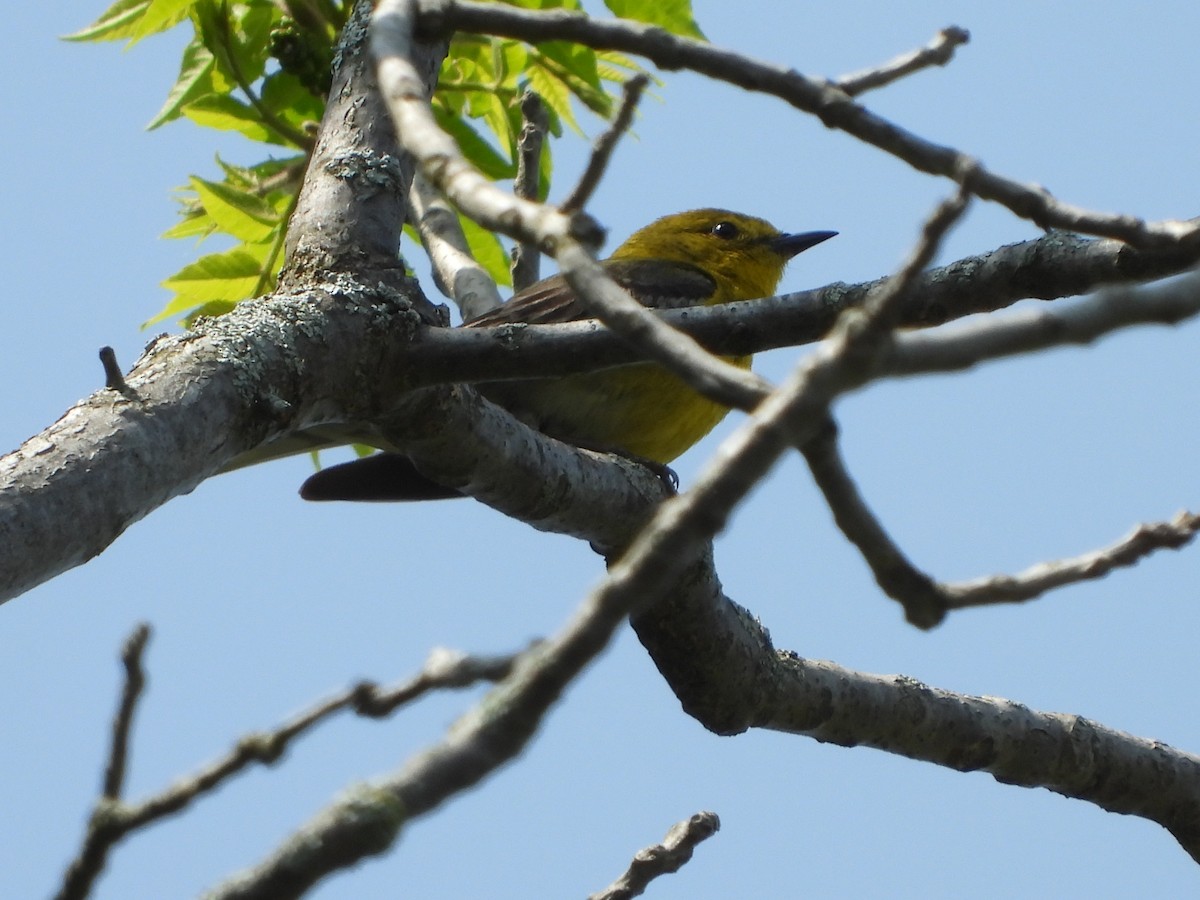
<point x="437" y="155"/>
<point x="443" y="669"/>
<point x="1037" y="580"/>
<point x="103" y="827"/>
<point x="662" y="859"/>
<point x="135" y="682"/>
<point x="1083" y="322"/>
<point x="605" y="144"/>
<point x="526" y="259"/>
<point x="923" y="600"/>
<point x="455" y="271"/>
<point x="937" y="52"/>
<point x="815" y="96"/>
<point x="112" y="820"/>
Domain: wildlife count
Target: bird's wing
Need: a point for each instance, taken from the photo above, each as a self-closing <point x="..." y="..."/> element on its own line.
<point x="652" y="282"/>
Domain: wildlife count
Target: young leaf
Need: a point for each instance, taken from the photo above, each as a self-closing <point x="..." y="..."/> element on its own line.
<point x="230" y="276"/>
<point x="487" y="250"/>
<point x="674" y="16"/>
<point x="239" y="213"/>
<point x="224" y="113"/>
<point x="160" y="16"/>
<point x="196" y="79"/>
<point x="116" y="23"/>
<point x="481" y="153"/>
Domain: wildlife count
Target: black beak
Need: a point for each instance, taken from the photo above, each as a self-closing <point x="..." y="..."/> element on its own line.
<point x="788" y="245"/>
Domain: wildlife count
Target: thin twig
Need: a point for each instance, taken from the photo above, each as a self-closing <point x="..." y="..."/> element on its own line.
<point x="937" y="52"/>
<point x="135" y="682"/>
<point x="526" y="258"/>
<point x="605" y="144"/>
<point x="662" y="859"/>
<point x="103" y="827"/>
<point x="367" y="821"/>
<point x="269" y="119"/>
<point x="923" y="600"/>
<point x="1112" y="309"/>
<point x="811" y="95"/>
<point x="1037" y="580"/>
<point x="443" y="670"/>
<point x="112" y="820"/>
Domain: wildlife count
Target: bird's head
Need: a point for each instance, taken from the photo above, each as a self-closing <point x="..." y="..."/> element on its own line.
<point x="743" y="254"/>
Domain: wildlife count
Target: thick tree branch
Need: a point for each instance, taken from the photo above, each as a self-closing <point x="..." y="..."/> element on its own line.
<point x="199" y="398"/>
<point x="351" y="206"/>
<point x="1046" y="268"/>
<point x="738" y="679"/>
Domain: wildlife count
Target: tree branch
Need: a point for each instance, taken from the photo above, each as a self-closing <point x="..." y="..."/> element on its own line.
<point x="937" y="52"/>
<point x="455" y="271"/>
<point x="113" y="820"/>
<point x="662" y="859"/>
<point x="605" y="144"/>
<point x="526" y="260"/>
<point x="497" y="729"/>
<point x="814" y="96"/>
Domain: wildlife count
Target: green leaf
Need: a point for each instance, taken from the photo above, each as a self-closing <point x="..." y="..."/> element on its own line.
<point x="212" y="309"/>
<point x="557" y="97"/>
<point x="116" y="23"/>
<point x="224" y="113"/>
<point x="576" y="60"/>
<point x="159" y="16"/>
<point x="250" y="36"/>
<point x="228" y="277"/>
<point x="197" y="225"/>
<point x="674" y="16"/>
<point x="286" y="96"/>
<point x="577" y="68"/>
<point x="196" y="80"/>
<point x="481" y="154"/>
<point x="236" y="212"/>
<point x="487" y="250"/>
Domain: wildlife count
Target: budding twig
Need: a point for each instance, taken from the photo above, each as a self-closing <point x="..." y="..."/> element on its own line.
<point x="605" y="144"/>
<point x="937" y="52"/>
<point x="662" y="859"/>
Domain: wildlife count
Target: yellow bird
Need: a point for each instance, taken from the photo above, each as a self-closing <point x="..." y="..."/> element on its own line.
<point x="695" y="258"/>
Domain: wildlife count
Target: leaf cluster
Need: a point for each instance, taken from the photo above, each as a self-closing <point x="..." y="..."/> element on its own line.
<point x="261" y="68"/>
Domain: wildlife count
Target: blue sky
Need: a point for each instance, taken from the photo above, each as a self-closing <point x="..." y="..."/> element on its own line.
<point x="261" y="603"/>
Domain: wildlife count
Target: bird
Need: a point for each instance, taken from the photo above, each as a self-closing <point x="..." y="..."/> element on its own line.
<point x="696" y="258"/>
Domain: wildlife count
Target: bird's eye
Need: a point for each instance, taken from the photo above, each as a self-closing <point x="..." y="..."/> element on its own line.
<point x="726" y="231"/>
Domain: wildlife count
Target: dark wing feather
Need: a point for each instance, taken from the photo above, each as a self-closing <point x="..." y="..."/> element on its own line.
<point x="652" y="283"/>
